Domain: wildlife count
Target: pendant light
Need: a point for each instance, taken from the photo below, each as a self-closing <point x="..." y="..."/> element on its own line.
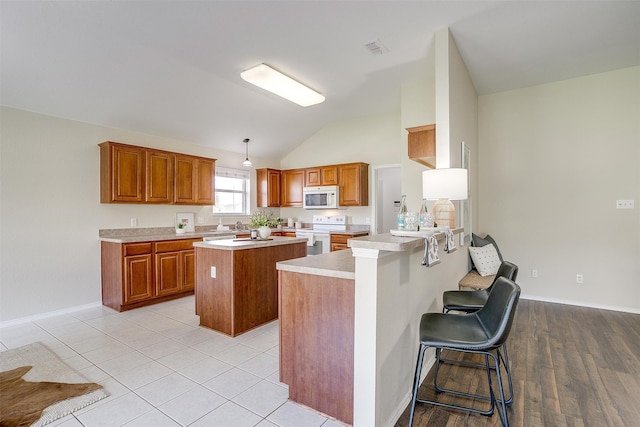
<point x="247" y="162"/>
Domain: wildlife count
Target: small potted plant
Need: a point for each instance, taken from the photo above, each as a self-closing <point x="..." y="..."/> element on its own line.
<point x="182" y="228"/>
<point x="263" y="221"/>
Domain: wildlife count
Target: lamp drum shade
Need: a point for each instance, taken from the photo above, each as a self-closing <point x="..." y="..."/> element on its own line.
<point x="445" y="184"/>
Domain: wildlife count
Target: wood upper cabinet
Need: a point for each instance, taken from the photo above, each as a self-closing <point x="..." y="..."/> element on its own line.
<point x="268" y="195"/>
<point x="159" y="177"/>
<point x="205" y="181"/>
<point x="422" y="145"/>
<point x="353" y="179"/>
<point x="130" y="174"/>
<point x="185" y="180"/>
<point x="323" y="175"/>
<point x="194" y="181"/>
<point x="122" y="177"/>
<point x="292" y="187"/>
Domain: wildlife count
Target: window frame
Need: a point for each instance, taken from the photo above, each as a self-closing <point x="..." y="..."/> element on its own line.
<point x="246" y="192"/>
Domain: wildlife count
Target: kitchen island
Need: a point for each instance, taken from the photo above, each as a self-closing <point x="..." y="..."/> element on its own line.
<point x="236" y="285"/>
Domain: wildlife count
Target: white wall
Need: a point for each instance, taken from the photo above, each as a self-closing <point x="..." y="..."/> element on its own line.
<point x="373" y="140"/>
<point x="554" y="159"/>
<point x="50" y="212"/>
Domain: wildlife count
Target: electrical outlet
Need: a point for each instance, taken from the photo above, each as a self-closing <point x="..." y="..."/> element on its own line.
<point x="579" y="278"/>
<point x="213" y="272"/>
<point x="200" y="220"/>
<point x="134" y="222"/>
<point x="625" y="204"/>
<point x="534" y="273"/>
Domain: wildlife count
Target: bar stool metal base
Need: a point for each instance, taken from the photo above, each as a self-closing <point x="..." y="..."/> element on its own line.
<point x="494" y="401"/>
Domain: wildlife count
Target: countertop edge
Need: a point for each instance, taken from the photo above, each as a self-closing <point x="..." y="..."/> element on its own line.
<point x="388" y="242"/>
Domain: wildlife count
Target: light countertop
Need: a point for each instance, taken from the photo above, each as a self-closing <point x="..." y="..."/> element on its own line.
<point x="240" y="244"/>
<point x="340" y="264"/>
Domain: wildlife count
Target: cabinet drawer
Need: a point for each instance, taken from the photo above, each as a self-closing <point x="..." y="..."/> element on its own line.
<point x="175" y="245"/>
<point x="137" y="249"/>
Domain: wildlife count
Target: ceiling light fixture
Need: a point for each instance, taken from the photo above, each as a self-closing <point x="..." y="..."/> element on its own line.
<point x="247" y="162"/>
<point x="274" y="81"/>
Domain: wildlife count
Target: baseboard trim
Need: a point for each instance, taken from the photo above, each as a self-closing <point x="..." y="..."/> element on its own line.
<point x="582" y="304"/>
<point x="14" y="322"/>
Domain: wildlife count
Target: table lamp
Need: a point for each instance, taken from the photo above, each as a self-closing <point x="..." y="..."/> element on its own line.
<point x="444" y="185"/>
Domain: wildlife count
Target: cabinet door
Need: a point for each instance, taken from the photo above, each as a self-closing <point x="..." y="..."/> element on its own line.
<point x="329" y="175"/>
<point x="137" y="278"/>
<point x="292" y="186"/>
<point x="188" y="274"/>
<point x="312" y="177"/>
<point x="159" y="183"/>
<point x="205" y="182"/>
<point x="268" y="186"/>
<point x="122" y="174"/>
<point x="422" y="145"/>
<point x="185" y="180"/>
<point x="168" y="278"/>
<point x="354" y="184"/>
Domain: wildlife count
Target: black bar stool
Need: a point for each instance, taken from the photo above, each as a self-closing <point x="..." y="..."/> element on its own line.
<point x="482" y="332"/>
<point x="472" y="301"/>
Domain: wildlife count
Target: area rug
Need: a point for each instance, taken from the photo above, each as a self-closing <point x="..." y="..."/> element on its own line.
<point x="37" y="387"/>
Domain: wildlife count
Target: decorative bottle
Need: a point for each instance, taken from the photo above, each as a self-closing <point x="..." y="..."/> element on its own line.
<point x="402" y="213"/>
<point x="425" y="219"/>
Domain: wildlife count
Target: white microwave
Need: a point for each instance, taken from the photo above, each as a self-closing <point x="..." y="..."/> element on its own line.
<point x="324" y="197"/>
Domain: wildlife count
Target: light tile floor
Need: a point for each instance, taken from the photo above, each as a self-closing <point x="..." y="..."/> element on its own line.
<point x="162" y="369"/>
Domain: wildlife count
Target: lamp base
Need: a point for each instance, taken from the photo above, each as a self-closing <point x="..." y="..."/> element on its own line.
<point x="444" y="213"/>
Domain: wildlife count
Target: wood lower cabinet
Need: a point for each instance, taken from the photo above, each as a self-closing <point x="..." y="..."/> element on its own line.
<point x="174" y="266"/>
<point x="138" y="274"/>
<point x="316" y="318"/>
<point x="292" y="187"/>
<point x="138" y="285"/>
<point x="339" y="241"/>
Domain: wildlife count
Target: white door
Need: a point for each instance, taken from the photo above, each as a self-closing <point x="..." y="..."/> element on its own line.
<point x="387" y="190"/>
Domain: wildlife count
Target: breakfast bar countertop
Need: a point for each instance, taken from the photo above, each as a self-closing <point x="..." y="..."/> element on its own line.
<point x="339" y="264"/>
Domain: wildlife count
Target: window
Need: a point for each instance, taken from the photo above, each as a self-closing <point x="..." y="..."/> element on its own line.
<point x="232" y="191"/>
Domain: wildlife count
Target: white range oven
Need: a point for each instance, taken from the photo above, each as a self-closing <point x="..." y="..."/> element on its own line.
<point x="319" y="234"/>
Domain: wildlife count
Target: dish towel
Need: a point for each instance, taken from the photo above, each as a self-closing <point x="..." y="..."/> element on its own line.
<point x="449" y="241"/>
<point x="430" y="251"/>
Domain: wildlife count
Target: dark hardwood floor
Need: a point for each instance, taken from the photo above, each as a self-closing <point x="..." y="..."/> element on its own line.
<point x="571" y="366"/>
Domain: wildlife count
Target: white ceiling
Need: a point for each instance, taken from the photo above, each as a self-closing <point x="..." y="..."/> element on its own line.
<point x="172" y="68"/>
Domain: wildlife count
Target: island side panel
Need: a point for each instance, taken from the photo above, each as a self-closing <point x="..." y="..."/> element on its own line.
<point x="316" y="341"/>
<point x="112" y="275"/>
<point x="214" y="296"/>
<point x="256" y="284"/>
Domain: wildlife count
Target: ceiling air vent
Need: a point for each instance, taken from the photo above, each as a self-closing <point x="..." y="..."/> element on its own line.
<point x="376" y="47"/>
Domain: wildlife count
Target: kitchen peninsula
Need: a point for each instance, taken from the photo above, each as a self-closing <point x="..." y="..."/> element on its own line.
<point x="349" y="324"/>
<point x="236" y="281"/>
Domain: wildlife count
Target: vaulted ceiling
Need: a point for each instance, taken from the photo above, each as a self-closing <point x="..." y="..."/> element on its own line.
<point x="172" y="68"/>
